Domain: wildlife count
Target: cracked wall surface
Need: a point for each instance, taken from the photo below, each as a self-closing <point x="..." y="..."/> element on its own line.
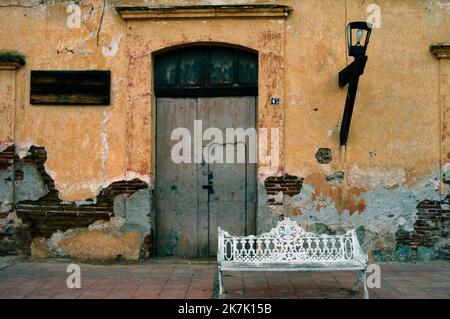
<point x="64" y="169"/>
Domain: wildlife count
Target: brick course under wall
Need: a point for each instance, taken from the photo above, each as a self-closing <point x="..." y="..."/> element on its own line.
<point x="7" y="157"/>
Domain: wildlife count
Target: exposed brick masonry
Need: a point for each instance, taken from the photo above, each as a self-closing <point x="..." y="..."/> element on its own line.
<point x="7" y="157"/>
<point x="43" y="217"/>
<point x="288" y="184"/>
<point x="431" y="226"/>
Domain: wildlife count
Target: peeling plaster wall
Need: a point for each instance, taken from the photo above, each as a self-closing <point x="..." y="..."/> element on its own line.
<point x="394" y="161"/>
<point x="30" y="186"/>
<point x="117" y="223"/>
<point x="139" y="213"/>
<point x="136" y="209"/>
<point x="384" y="212"/>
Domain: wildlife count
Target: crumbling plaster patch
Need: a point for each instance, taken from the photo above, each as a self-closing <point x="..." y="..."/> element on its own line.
<point x="22" y="149"/>
<point x="5" y="207"/>
<point x="6" y="189"/>
<point x="31" y="187"/>
<point x="35" y="193"/>
<point x="386" y="208"/>
<point x="373" y="178"/>
<point x="4" y="145"/>
<point x="79" y="191"/>
<point x="266" y="218"/>
<point x="7" y="230"/>
<point x="127" y="235"/>
<point x="137" y="210"/>
<point x="324" y="155"/>
<point x="11" y="219"/>
<point x="374" y="194"/>
<point x="101" y="240"/>
<point x="93" y="186"/>
<point x="335" y="178"/>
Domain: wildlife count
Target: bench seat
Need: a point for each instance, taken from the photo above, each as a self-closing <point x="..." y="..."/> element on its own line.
<point x="305" y="266"/>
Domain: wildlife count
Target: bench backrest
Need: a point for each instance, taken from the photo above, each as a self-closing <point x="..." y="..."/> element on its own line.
<point x="289" y="243"/>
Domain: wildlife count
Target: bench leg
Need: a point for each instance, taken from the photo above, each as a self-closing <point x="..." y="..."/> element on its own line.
<point x="220" y="282"/>
<point x="364" y="282"/>
<point x="357" y="277"/>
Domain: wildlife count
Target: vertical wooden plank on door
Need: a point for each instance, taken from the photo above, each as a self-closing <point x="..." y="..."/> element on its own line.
<point x="226" y="206"/>
<point x="176" y="195"/>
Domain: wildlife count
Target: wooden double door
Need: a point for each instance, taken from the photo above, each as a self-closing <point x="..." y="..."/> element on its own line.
<point x="193" y="199"/>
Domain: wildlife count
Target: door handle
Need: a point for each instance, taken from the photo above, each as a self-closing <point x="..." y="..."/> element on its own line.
<point x="209" y="187"/>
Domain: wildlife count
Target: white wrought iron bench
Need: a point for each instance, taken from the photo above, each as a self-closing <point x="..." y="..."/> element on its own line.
<point x="288" y="247"/>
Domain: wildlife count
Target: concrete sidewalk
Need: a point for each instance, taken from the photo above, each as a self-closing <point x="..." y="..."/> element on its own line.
<point x="194" y="280"/>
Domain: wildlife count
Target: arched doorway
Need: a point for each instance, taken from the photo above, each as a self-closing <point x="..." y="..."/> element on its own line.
<point x="205" y="91"/>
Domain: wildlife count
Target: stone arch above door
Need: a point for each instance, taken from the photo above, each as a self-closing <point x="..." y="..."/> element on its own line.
<point x="146" y="36"/>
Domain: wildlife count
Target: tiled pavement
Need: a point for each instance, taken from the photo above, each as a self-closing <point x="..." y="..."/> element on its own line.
<point x="398" y="280"/>
<point x="48" y="280"/>
<point x="196" y="280"/>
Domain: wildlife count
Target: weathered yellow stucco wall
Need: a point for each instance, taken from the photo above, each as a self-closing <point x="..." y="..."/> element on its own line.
<point x="79" y="159"/>
<point x="395" y="143"/>
<point x="394" y="139"/>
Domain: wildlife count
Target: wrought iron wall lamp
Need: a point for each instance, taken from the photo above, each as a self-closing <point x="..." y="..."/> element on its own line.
<point x="356" y="31"/>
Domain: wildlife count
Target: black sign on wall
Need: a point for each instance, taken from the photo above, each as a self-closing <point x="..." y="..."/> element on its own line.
<point x="70" y="87"/>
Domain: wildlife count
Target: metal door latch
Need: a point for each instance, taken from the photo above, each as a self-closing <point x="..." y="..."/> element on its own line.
<point x="209" y="187"/>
